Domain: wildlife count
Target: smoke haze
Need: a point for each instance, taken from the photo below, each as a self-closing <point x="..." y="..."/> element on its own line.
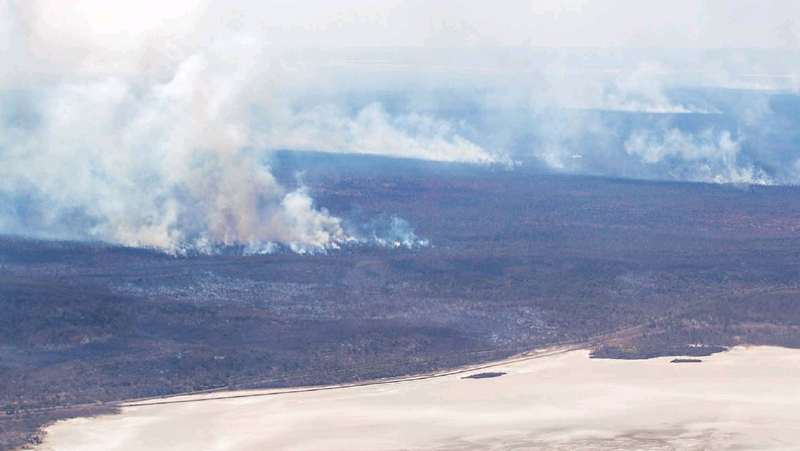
<point x="150" y="123"/>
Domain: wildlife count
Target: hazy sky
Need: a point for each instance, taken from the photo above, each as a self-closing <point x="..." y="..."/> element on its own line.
<point x="548" y="23"/>
<point x="447" y="23"/>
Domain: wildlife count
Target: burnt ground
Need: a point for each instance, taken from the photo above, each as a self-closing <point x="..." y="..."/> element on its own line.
<point x="517" y="260"/>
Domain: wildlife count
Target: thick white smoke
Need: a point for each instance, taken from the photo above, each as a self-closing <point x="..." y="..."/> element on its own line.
<point x="150" y="131"/>
<point x="154" y="164"/>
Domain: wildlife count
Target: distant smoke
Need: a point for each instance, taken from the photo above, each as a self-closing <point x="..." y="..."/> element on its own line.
<point x="373" y="131"/>
<point x="640" y="90"/>
<point x="394" y="232"/>
<point x="652" y="123"/>
<point x="704" y="157"/>
<point x="638" y="146"/>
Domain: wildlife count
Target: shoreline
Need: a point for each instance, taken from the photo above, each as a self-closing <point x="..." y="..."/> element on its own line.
<point x="210" y="395"/>
<point x="66" y="413"/>
<point x="553" y="399"/>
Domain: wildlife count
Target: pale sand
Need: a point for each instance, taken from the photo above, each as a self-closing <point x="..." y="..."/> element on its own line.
<point x="748" y="398"/>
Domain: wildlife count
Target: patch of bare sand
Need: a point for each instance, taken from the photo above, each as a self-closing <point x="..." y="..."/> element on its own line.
<point x="748" y="398"/>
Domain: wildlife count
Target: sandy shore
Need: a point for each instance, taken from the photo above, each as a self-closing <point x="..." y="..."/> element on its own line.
<point x="748" y="398"/>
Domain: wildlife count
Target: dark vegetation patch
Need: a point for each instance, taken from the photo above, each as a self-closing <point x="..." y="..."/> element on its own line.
<point x="22" y="427"/>
<point x="632" y="351"/>
<point x="517" y="261"/>
<point x="484" y="375"/>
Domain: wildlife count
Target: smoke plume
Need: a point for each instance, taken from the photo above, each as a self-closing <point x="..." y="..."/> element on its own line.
<point x="150" y="123"/>
<point x="145" y="139"/>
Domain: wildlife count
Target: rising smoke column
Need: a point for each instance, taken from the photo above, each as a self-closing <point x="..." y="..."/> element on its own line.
<point x="145" y="134"/>
<point x="158" y="164"/>
<point x="140" y="140"/>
